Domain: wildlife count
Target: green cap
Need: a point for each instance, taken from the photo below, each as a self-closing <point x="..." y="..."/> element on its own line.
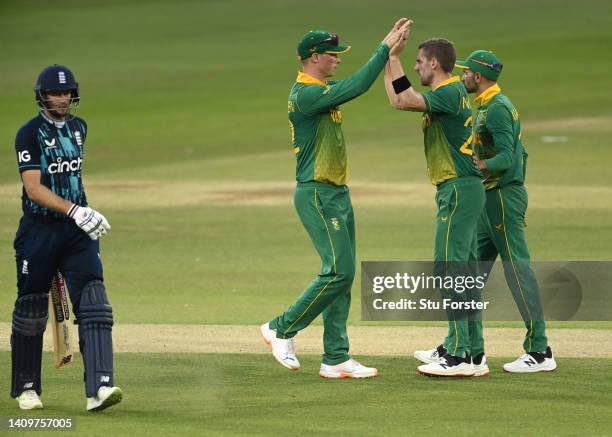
<point x="320" y="41"/>
<point x="483" y="62"/>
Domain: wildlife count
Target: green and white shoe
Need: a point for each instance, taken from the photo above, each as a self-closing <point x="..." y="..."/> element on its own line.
<point x="29" y="400"/>
<point x="107" y="397"/>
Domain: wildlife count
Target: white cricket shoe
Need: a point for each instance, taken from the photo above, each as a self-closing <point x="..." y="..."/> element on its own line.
<point x="29" y="400"/>
<point x="448" y="365"/>
<point x="107" y="397"/>
<point x="283" y="349"/>
<point x="533" y="362"/>
<point x="431" y="355"/>
<point x="348" y="369"/>
<point x="480" y="365"/>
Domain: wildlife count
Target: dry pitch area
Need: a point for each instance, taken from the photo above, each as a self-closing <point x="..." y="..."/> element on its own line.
<point x="365" y="340"/>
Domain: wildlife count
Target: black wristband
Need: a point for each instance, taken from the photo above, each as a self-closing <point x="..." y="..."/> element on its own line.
<point x="401" y="84"/>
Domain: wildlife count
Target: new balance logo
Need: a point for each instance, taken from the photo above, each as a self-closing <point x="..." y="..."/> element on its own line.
<point x="105" y="378"/>
<point x="50" y="143"/>
<point x="530" y="362"/>
<point x="24" y="267"/>
<point x="61" y="76"/>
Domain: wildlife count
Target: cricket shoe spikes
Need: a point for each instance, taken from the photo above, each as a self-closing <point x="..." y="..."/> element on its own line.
<point x="29" y="400"/>
<point x="106" y="397"/>
<point x="349" y="369"/>
<point x="533" y="362"/>
<point x="283" y="349"/>
<point x="480" y="365"/>
<point x="449" y="365"/>
<point x="431" y="355"/>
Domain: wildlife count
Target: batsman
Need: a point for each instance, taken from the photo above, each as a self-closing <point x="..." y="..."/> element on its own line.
<point x="58" y="232"/>
<point x="502" y="157"/>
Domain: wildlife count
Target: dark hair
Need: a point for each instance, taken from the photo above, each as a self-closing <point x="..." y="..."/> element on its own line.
<point x="441" y="49"/>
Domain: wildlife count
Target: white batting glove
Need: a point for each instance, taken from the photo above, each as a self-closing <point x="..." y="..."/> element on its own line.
<point x="89" y="220"/>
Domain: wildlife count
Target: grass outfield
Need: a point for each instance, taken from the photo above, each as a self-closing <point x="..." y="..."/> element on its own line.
<point x="188" y="157"/>
<point x="188" y="394"/>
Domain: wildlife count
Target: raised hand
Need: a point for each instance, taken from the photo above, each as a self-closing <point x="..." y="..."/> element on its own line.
<point x="398" y="47"/>
<point x="395" y="33"/>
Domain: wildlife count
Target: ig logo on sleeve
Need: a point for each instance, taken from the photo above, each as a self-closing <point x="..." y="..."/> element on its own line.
<point x="24" y="156"/>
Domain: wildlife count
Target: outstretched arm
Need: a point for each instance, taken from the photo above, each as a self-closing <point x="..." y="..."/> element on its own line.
<point x="401" y="94"/>
<point x="319" y="99"/>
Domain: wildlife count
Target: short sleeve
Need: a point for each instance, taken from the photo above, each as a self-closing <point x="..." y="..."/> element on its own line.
<point x="28" y="152"/>
<point x="444" y="100"/>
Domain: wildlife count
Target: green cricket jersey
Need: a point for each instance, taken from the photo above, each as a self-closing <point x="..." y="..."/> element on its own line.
<point x="316" y="121"/>
<point x="498" y="139"/>
<point x="447" y="127"/>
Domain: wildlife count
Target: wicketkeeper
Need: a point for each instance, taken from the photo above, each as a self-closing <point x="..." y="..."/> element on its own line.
<point x="58" y="231"/>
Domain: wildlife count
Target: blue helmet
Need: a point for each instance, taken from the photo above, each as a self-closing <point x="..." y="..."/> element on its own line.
<point x="56" y="78"/>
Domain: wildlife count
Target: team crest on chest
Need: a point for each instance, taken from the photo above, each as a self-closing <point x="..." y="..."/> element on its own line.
<point x="79" y="139"/>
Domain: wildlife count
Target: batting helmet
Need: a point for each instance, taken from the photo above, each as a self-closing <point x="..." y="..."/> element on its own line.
<point x="56" y="78"/>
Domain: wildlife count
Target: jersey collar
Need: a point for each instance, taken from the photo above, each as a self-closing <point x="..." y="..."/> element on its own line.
<point x="307" y="79"/>
<point x="488" y="94"/>
<point x="446" y="82"/>
<point x="59" y="124"/>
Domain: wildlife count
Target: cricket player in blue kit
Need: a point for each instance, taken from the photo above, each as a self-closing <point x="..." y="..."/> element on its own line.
<point x="58" y="232"/>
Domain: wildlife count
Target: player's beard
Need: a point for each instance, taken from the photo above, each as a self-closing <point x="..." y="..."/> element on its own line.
<point x="470" y="85"/>
<point x="58" y="113"/>
<point x="426" y="78"/>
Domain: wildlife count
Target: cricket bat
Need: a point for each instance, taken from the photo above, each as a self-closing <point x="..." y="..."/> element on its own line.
<point x="63" y="350"/>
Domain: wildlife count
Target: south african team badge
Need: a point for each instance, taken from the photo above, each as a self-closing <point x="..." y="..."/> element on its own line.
<point x="335" y="224"/>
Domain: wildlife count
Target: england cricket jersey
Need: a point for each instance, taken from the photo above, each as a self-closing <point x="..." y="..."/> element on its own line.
<point x="56" y="149"/>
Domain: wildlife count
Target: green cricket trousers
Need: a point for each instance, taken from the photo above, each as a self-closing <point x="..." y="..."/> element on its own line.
<point x="460" y="203"/>
<point x="501" y="232"/>
<point x="327" y="214"/>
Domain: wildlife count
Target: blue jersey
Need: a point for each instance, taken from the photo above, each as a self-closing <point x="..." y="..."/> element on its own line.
<point x="58" y="153"/>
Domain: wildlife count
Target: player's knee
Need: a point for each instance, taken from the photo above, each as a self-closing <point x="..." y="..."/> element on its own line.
<point x="30" y="314"/>
<point x="94" y="306"/>
<point x="345" y="275"/>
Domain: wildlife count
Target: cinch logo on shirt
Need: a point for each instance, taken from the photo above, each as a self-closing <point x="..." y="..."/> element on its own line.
<point x="65" y="166"/>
